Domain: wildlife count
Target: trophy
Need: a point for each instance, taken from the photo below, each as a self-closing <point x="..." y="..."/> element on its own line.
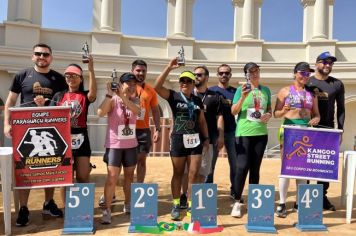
<point x="114" y="83"/>
<point x="180" y="58"/>
<point x="248" y="82"/>
<point x="85" y="56"/>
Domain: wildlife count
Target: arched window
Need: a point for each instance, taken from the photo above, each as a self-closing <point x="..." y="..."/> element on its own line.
<point x="144" y="18"/>
<point x="68" y="14"/>
<point x="282" y="21"/>
<point x="344" y="20"/>
<point x="213" y="20"/>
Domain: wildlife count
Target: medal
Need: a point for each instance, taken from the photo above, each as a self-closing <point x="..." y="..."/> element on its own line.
<point x="257" y="103"/>
<point x="189" y="124"/>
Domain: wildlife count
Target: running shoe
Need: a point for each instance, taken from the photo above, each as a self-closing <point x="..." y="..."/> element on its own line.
<point x="106" y="218"/>
<point x="183" y="201"/>
<point x="327" y="205"/>
<point x="281" y="211"/>
<point x="236" y="210"/>
<point x="175" y="213"/>
<point x="51" y="209"/>
<point x="22" y="219"/>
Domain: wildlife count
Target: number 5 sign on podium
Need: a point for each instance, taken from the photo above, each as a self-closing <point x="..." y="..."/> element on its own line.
<point x="261" y="209"/>
<point x="310" y="208"/>
<point x="79" y="209"/>
<point x="204" y="204"/>
<point x="143" y="206"/>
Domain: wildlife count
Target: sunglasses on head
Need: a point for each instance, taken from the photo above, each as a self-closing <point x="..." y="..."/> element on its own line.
<point x="304" y="73"/>
<point x="185" y="81"/>
<point x="221" y="73"/>
<point x="327" y="63"/>
<point x="44" y="54"/>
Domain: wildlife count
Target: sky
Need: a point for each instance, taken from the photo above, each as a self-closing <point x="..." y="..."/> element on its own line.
<point x="282" y="20"/>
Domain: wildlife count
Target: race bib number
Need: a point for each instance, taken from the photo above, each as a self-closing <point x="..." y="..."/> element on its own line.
<point x="254" y="115"/>
<point x="126" y="132"/>
<point x="141" y="114"/>
<point x="77" y="140"/>
<point x="191" y="140"/>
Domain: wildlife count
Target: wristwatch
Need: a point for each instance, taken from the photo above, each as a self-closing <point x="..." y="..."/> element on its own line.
<point x="158" y="129"/>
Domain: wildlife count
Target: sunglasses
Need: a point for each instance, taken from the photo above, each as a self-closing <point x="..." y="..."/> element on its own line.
<point x="304" y="73"/>
<point x="330" y="63"/>
<point x="71" y="76"/>
<point x="221" y="73"/>
<point x="44" y="54"/>
<point x="199" y="74"/>
<point x="185" y="81"/>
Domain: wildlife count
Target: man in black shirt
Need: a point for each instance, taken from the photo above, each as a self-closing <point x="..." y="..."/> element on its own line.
<point x="329" y="91"/>
<point x="34" y="84"/>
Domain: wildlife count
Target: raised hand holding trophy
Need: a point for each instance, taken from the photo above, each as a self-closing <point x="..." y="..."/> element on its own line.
<point x="180" y="58"/>
<point x="85" y="56"/>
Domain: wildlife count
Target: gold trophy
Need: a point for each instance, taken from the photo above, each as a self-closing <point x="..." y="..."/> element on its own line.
<point x="180" y="58"/>
<point x="85" y="56"/>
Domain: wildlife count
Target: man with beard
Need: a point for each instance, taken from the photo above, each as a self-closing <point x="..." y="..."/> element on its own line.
<point x="227" y="92"/>
<point x="328" y="91"/>
<point x="27" y="83"/>
<point x="148" y="101"/>
<point x="214" y="119"/>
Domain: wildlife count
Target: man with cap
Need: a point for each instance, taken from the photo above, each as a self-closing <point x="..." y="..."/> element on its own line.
<point x="36" y="83"/>
<point x="227" y="92"/>
<point x="189" y="138"/>
<point x="329" y="91"/>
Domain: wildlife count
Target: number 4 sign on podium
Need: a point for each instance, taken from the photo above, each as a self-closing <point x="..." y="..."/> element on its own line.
<point x="79" y="209"/>
<point x="261" y="209"/>
<point x="310" y="208"/>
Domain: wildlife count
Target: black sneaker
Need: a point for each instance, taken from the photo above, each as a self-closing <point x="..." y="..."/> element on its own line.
<point x="51" y="209"/>
<point x="281" y="211"/>
<point x="327" y="205"/>
<point x="175" y="213"/>
<point x="22" y="219"/>
<point x="295" y="207"/>
<point x="183" y="201"/>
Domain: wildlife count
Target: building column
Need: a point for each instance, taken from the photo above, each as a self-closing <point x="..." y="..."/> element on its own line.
<point x="25" y="11"/>
<point x="320" y="20"/>
<point x="317" y="19"/>
<point x="179" y="18"/>
<point x="107" y="15"/>
<point x="247" y="19"/>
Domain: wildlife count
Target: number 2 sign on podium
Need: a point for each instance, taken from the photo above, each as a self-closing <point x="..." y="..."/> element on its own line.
<point x="79" y="215"/>
<point x="143" y="205"/>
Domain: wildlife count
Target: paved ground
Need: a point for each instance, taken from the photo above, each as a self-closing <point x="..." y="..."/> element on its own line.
<point x="160" y="171"/>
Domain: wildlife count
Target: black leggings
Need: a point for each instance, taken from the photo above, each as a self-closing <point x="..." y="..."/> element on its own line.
<point x="250" y="150"/>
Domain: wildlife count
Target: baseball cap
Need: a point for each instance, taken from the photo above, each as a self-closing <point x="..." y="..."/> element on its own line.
<point x="187" y="74"/>
<point x="324" y="56"/>
<point x="249" y="66"/>
<point x="302" y="66"/>
<point x="73" y="70"/>
<point x="127" y="76"/>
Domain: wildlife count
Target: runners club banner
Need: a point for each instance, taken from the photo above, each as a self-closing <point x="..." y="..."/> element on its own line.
<point x="310" y="153"/>
<point x="41" y="143"/>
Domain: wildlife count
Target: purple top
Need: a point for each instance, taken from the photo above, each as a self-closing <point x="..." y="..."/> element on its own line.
<point x="299" y="99"/>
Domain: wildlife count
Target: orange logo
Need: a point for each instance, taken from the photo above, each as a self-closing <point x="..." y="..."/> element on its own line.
<point x="300" y="150"/>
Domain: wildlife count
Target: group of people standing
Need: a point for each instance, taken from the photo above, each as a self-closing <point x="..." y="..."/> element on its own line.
<point x="204" y="120"/>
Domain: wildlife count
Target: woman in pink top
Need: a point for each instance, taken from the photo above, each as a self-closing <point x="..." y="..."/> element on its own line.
<point x="121" y="106"/>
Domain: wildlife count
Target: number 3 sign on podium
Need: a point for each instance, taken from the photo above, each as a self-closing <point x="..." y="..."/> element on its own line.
<point x="79" y="209"/>
<point x="261" y="209"/>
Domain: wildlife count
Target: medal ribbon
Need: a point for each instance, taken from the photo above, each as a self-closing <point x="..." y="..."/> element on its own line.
<point x="257" y="99"/>
<point x="190" y="106"/>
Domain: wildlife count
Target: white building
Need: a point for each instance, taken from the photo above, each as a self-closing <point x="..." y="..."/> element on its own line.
<point x="112" y="49"/>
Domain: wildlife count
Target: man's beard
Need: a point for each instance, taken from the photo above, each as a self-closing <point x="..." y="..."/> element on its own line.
<point x="322" y="72"/>
<point x="41" y="64"/>
<point x="198" y="84"/>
